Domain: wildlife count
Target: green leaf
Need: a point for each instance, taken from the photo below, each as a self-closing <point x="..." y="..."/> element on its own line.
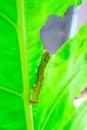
<point x="20" y="22"/>
<point x="65" y="77"/>
<point x="36" y="14"/>
<point x="78" y="118"/>
<point x="15" y="111"/>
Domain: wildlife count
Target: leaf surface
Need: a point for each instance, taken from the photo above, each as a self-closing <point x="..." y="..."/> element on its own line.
<point x="20" y="22"/>
<point x="65" y="77"/>
<point x="36" y="14"/>
<point x="14" y="88"/>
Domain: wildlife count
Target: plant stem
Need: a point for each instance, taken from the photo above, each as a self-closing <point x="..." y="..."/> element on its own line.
<point x="23" y="55"/>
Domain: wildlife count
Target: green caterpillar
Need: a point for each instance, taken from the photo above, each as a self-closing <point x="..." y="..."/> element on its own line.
<point x="40" y="77"/>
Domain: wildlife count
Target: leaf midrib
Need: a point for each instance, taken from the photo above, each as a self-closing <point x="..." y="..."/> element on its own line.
<point x="24" y="64"/>
<point x="21" y="32"/>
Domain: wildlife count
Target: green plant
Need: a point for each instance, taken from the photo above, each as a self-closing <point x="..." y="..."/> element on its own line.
<point x="20" y="54"/>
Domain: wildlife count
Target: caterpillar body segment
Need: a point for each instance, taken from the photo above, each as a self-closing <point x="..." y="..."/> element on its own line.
<point x="40" y="77"/>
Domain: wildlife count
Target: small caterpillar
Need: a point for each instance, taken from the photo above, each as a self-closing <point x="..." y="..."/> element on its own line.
<point x="40" y="77"/>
